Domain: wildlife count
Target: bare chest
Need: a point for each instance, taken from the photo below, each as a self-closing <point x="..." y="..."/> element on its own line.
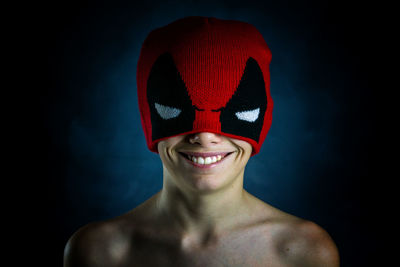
<point x="241" y="249"/>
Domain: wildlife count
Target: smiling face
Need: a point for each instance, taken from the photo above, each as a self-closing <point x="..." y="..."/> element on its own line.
<point x="203" y="161"/>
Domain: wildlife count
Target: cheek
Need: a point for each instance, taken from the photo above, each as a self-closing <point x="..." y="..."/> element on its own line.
<point x="243" y="147"/>
<point x="163" y="152"/>
<point x="243" y="155"/>
<point x="168" y="155"/>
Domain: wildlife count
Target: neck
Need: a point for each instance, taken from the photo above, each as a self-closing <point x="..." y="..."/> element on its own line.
<point x="201" y="214"/>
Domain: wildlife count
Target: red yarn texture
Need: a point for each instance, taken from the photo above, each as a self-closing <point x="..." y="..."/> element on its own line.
<point x="210" y="55"/>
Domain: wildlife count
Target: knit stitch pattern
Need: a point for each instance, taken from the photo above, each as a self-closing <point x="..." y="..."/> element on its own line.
<point x="209" y="56"/>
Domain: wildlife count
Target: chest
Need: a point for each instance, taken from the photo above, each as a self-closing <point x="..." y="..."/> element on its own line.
<point x="244" y="249"/>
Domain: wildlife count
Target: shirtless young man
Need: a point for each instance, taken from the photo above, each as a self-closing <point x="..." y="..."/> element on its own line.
<point x="203" y="90"/>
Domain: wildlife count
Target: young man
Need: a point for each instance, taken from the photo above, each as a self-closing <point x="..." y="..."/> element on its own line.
<point x="206" y="108"/>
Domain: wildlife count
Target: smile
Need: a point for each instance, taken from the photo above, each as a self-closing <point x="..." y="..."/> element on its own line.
<point x="205" y="160"/>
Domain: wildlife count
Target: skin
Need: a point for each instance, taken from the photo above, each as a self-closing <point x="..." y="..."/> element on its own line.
<point x="202" y="217"/>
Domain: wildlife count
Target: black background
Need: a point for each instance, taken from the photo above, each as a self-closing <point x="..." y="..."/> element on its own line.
<point x="353" y="30"/>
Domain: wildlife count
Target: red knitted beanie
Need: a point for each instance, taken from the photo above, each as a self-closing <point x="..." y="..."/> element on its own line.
<point x="203" y="74"/>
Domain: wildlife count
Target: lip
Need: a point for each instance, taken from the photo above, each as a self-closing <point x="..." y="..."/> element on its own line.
<point x="205" y="154"/>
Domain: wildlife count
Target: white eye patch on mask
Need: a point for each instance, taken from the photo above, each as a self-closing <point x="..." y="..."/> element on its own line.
<point x="167" y="113"/>
<point x="250" y="116"/>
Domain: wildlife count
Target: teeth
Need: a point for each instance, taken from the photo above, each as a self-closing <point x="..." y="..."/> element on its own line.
<point x="207" y="160"/>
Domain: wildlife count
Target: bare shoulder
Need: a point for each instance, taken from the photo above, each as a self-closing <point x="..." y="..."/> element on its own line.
<point x="304" y="243"/>
<point x="107" y="243"/>
<point x="295" y="241"/>
<point x="97" y="244"/>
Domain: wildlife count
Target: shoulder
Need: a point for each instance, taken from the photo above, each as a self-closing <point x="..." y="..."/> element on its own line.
<point x="296" y="241"/>
<point x="304" y="243"/>
<point x="97" y="244"/>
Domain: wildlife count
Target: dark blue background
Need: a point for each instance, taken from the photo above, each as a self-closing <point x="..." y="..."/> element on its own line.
<point x="318" y="161"/>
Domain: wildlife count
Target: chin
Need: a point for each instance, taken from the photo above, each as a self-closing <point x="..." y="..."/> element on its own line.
<point x="207" y="183"/>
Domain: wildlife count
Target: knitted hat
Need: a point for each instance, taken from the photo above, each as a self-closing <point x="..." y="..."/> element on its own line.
<point x="203" y="74"/>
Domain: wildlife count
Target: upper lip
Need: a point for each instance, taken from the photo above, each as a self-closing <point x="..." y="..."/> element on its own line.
<point x="205" y="154"/>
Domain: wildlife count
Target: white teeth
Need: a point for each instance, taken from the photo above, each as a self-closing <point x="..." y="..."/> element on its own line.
<point x="207" y="160"/>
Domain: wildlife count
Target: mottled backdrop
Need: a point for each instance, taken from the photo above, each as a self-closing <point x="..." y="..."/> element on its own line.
<point x="316" y="162"/>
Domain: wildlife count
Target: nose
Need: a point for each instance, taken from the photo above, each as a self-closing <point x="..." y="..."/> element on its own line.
<point x="205" y="139"/>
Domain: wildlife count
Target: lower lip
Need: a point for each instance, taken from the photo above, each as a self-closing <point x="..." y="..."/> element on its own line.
<point x="206" y="166"/>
